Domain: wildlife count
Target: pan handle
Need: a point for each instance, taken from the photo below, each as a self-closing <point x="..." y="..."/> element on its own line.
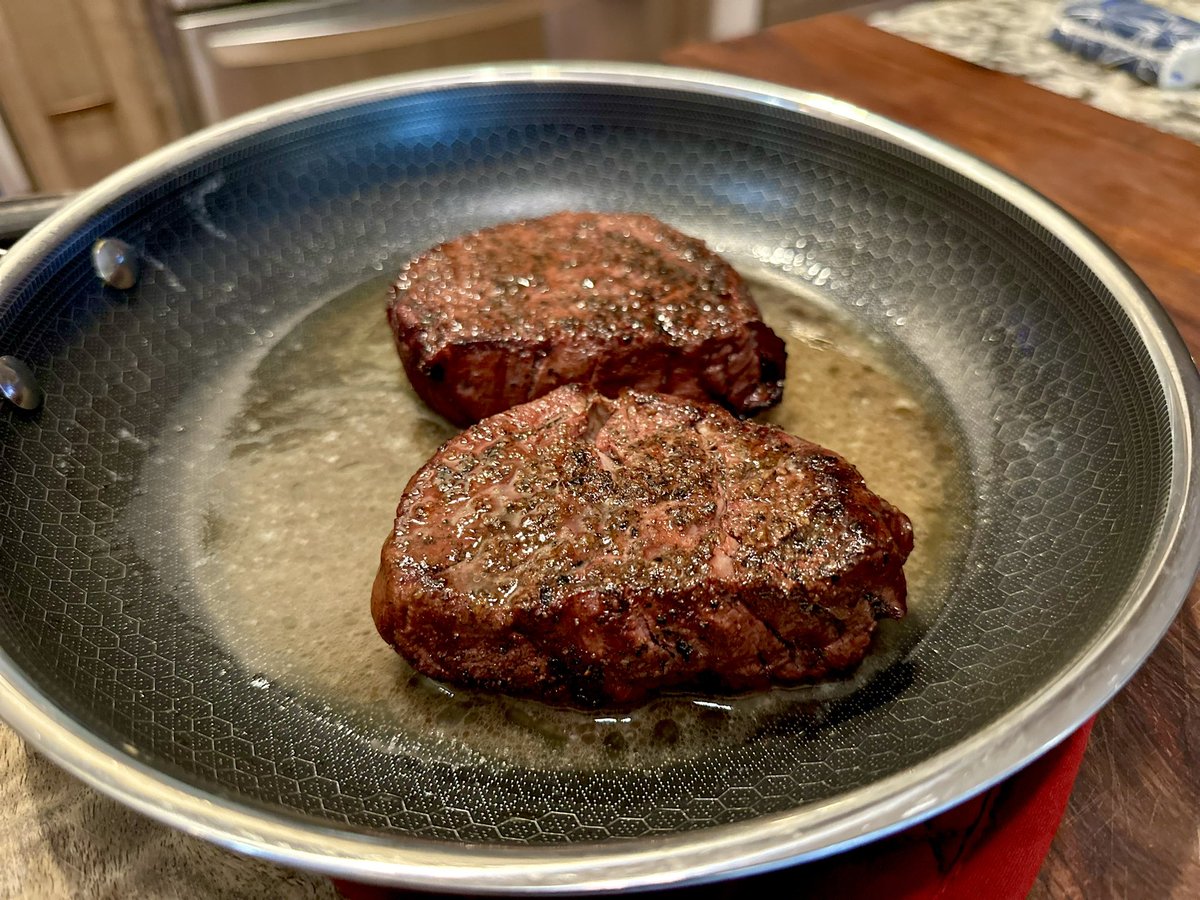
<point x="19" y="214"/>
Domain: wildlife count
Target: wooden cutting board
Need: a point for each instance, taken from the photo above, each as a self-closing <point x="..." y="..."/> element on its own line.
<point x="1133" y="825"/>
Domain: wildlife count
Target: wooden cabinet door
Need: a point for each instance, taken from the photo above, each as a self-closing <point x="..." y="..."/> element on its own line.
<point x="81" y="88"/>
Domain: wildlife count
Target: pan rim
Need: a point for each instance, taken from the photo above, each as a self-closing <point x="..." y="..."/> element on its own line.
<point x="863" y="814"/>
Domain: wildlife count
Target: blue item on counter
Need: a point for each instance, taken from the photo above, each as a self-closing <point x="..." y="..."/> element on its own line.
<point x="1157" y="46"/>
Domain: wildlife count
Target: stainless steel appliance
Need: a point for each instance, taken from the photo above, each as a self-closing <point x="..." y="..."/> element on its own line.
<point x="227" y="58"/>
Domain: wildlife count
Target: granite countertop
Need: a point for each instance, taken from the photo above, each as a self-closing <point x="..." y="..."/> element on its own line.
<point x="1011" y="36"/>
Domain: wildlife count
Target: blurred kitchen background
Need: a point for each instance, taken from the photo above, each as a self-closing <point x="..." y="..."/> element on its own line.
<point x="89" y="85"/>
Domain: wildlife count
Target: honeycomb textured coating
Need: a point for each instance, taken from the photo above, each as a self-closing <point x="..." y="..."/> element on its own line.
<point x="1062" y="418"/>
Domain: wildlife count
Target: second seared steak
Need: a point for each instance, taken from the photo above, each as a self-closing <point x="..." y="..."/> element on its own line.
<point x="504" y="315"/>
<point x="578" y="549"/>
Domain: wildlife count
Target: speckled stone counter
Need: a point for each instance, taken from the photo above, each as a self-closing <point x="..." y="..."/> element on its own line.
<point x="1010" y="36"/>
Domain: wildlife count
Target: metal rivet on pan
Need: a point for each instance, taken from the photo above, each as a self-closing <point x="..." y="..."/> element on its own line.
<point x="115" y="262"/>
<point x="18" y="384"/>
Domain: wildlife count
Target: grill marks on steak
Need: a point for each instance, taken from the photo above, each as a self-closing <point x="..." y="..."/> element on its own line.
<point x="504" y="315"/>
<point x="586" y="550"/>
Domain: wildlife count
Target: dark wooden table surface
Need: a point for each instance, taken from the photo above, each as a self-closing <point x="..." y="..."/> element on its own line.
<point x="1132" y="828"/>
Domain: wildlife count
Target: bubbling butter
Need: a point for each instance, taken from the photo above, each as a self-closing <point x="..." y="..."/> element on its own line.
<point x="328" y="434"/>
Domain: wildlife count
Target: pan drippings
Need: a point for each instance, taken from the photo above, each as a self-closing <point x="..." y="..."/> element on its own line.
<point x="302" y="492"/>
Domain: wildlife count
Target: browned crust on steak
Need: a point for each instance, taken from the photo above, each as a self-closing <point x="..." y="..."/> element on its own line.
<point x="504" y="315"/>
<point x="583" y="550"/>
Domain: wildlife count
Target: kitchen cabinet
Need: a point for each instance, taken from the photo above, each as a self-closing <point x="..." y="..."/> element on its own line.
<point x="81" y="88"/>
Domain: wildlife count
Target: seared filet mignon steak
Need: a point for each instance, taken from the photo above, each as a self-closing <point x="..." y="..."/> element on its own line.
<point x="507" y="314"/>
<point x="584" y="550"/>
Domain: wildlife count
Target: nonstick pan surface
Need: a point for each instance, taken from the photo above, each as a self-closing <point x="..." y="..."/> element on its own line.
<point x="1067" y="392"/>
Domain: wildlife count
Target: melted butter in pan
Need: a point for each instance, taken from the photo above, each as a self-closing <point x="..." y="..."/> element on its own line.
<point x="844" y="393"/>
<point x="327" y="436"/>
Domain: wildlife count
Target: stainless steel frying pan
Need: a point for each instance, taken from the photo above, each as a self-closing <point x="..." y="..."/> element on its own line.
<point x="1071" y="391"/>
